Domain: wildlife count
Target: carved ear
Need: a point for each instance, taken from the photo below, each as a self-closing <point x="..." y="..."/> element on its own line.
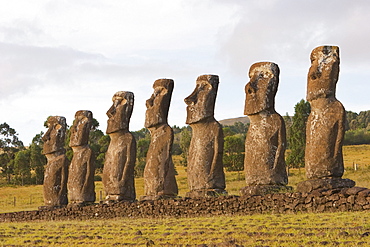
<point x="208" y="86"/>
<point x="123" y="101"/>
<point x="58" y="127"/>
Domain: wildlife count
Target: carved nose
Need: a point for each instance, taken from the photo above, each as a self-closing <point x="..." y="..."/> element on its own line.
<point x="149" y="103"/>
<point x="190" y="99"/>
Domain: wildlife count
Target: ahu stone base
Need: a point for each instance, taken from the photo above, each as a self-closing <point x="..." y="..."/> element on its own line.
<point x="158" y="197"/>
<point x="260" y="190"/>
<point x="116" y="198"/>
<point x="318" y="201"/>
<point x="327" y="183"/>
<point x="206" y="193"/>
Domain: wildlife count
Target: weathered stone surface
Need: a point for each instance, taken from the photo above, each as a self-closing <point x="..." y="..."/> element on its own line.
<point x="329" y="183"/>
<point x="265" y="143"/>
<point x="81" y="187"/>
<point x="205" y="167"/>
<point x="56" y="170"/>
<point x="118" y="172"/>
<point x="206" y="193"/>
<point x="325" y="125"/>
<point x="354" y="190"/>
<point x="264" y="189"/>
<point x="159" y="172"/>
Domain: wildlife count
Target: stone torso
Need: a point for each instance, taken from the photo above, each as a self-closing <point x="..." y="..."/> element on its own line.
<point x="265" y="143"/>
<point x="81" y="186"/>
<point x="118" y="173"/>
<point x="324" y="138"/>
<point x="205" y="167"/>
<point x="159" y="173"/>
<point x="55" y="179"/>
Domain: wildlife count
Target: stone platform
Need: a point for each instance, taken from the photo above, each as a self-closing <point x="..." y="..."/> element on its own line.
<point x="322" y="200"/>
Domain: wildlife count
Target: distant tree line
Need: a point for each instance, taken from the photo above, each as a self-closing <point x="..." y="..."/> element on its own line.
<point x="20" y="165"/>
<point x="357" y="128"/>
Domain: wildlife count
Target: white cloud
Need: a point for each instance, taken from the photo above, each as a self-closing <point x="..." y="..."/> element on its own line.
<point x="58" y="57"/>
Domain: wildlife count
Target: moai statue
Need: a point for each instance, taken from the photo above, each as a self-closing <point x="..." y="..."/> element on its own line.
<point x="159" y="172"/>
<point x="56" y="170"/>
<point x="205" y="168"/>
<point x="325" y="124"/>
<point x="81" y="187"/>
<point x="264" y="163"/>
<point x="118" y="172"/>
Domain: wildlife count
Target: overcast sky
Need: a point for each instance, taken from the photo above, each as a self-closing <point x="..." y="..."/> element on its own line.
<point x="58" y="57"/>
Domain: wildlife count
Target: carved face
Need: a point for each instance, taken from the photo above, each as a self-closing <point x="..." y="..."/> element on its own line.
<point x="323" y="73"/>
<point x="201" y="102"/>
<point x="120" y="112"/>
<point x="159" y="103"/>
<point x="55" y="136"/>
<point x="80" y="129"/>
<point x="260" y="91"/>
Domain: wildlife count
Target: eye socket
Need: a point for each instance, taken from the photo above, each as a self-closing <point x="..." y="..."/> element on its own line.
<point x="204" y="86"/>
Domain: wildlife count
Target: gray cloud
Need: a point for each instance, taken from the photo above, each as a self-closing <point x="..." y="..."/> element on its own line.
<point x="287" y="31"/>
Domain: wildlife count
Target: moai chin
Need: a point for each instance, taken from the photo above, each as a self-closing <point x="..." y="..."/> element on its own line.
<point x="159" y="172"/>
<point x="118" y="172"/>
<point x="264" y="163"/>
<point x="205" y="168"/>
<point x="325" y="124"/>
<point x="56" y="170"/>
<point x="81" y="187"/>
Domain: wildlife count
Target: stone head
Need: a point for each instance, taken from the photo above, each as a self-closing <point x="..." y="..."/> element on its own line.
<point x="80" y="129"/>
<point x="260" y="91"/>
<point x="201" y="103"/>
<point x="120" y="112"/>
<point x="55" y="136"/>
<point x="159" y="103"/>
<point x="323" y="74"/>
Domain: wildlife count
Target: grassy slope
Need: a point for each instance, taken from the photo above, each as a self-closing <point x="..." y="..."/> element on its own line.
<point x="30" y="197"/>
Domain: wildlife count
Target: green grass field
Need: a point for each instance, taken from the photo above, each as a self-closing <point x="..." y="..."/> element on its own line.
<point x="335" y="229"/>
<point x="331" y="229"/>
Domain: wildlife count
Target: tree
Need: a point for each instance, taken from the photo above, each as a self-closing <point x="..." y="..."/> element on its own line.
<point x="143" y="133"/>
<point x="363" y="119"/>
<point x="142" y="138"/>
<point x="9" y="146"/>
<point x="351" y="120"/>
<point x="176" y="147"/>
<point x="22" y="167"/>
<point x="233" y="153"/>
<point x="142" y="150"/>
<point x="297" y="138"/>
<point x="228" y="131"/>
<point x="288" y="125"/>
<point x="37" y="159"/>
<point x="100" y="159"/>
<point x="240" y="128"/>
<point x="94" y="142"/>
<point x="236" y="128"/>
<point x="357" y="137"/>
<point x="185" y="144"/>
